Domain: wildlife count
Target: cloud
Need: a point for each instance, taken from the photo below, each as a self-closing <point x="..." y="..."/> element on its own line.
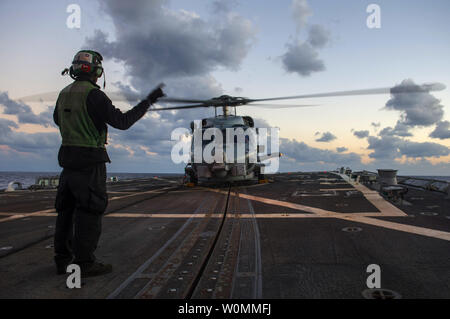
<point x="302" y="57"/>
<point x="5" y="126"/>
<point x="442" y="130"/>
<point x="341" y="149"/>
<point x="417" y="108"/>
<point x="24" y="112"/>
<point x="400" y="129"/>
<point x="390" y="147"/>
<point x="425" y="149"/>
<point x="37" y="143"/>
<point x="30" y="142"/>
<point x="127" y="91"/>
<point x="326" y="137"/>
<point x="300" y="12"/>
<point x="375" y="125"/>
<point x="383" y="148"/>
<point x="302" y="153"/>
<point x="222" y="6"/>
<point x="361" y="134"/>
<point x="158" y="44"/>
<point x="318" y="36"/>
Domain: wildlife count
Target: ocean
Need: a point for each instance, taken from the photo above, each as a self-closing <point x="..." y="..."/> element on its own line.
<point x="29" y="178"/>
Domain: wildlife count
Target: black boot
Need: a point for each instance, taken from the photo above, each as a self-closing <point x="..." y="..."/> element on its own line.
<point x="96" y="268"/>
<point x="61" y="266"/>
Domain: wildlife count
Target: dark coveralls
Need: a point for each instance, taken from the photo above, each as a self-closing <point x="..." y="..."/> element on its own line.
<point x="81" y="199"/>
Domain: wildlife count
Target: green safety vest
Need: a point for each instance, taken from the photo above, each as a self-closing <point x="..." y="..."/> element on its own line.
<point x="75" y="124"/>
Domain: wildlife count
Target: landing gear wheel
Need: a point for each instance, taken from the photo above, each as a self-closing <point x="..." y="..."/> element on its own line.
<point x="192" y="179"/>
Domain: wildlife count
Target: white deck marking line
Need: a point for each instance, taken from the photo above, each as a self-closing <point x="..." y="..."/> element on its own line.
<point x="360" y="219"/>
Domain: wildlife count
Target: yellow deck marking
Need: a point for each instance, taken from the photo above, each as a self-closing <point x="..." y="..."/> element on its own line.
<point x="386" y="209"/>
<point x="379" y="202"/>
<point x="52" y="212"/>
<point x="23" y="215"/>
<point x="336" y="189"/>
<point x="142" y="193"/>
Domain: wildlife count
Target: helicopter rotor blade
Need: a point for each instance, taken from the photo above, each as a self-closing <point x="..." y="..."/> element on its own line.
<point x="53" y="96"/>
<point x="127" y="97"/>
<point x="49" y="96"/>
<point x="194" y="106"/>
<point x="387" y="90"/>
<point x="181" y="100"/>
<point x="280" y="106"/>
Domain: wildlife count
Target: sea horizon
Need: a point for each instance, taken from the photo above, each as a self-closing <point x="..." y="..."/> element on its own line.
<point x="28" y="178"/>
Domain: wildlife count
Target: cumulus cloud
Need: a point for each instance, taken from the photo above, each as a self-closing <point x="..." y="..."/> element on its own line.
<point x="341" y="149"/>
<point x="300" y="12"/>
<point x="400" y="129"/>
<point x="302" y="153"/>
<point x="157" y="44"/>
<point x="425" y="149"/>
<point x="319" y="36"/>
<point x="417" y="108"/>
<point x="390" y="147"/>
<point x="302" y="57"/>
<point x="383" y="148"/>
<point x="27" y="142"/>
<point x="361" y="134"/>
<point x="222" y="6"/>
<point x="442" y="130"/>
<point x="6" y="125"/>
<point x="24" y="112"/>
<point x="326" y="137"/>
<point x="22" y="150"/>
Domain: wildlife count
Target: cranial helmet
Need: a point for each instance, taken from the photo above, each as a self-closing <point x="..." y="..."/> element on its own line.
<point x="86" y="62"/>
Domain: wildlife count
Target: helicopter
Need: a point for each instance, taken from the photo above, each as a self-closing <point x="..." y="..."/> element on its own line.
<point x="226" y="170"/>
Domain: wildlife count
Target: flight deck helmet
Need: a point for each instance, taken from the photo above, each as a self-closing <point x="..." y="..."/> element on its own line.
<point x="86" y="63"/>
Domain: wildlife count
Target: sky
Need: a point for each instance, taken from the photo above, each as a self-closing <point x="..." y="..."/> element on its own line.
<point x="255" y="49"/>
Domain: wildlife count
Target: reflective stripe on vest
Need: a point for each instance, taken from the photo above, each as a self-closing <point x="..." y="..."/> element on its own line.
<point x="75" y="124"/>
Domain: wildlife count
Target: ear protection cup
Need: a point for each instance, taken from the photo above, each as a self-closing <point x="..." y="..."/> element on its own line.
<point x="98" y="71"/>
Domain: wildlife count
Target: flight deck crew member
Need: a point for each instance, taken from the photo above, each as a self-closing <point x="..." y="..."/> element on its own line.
<point x="82" y="112"/>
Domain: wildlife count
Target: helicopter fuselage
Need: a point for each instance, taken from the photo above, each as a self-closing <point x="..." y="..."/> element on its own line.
<point x="225" y="168"/>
